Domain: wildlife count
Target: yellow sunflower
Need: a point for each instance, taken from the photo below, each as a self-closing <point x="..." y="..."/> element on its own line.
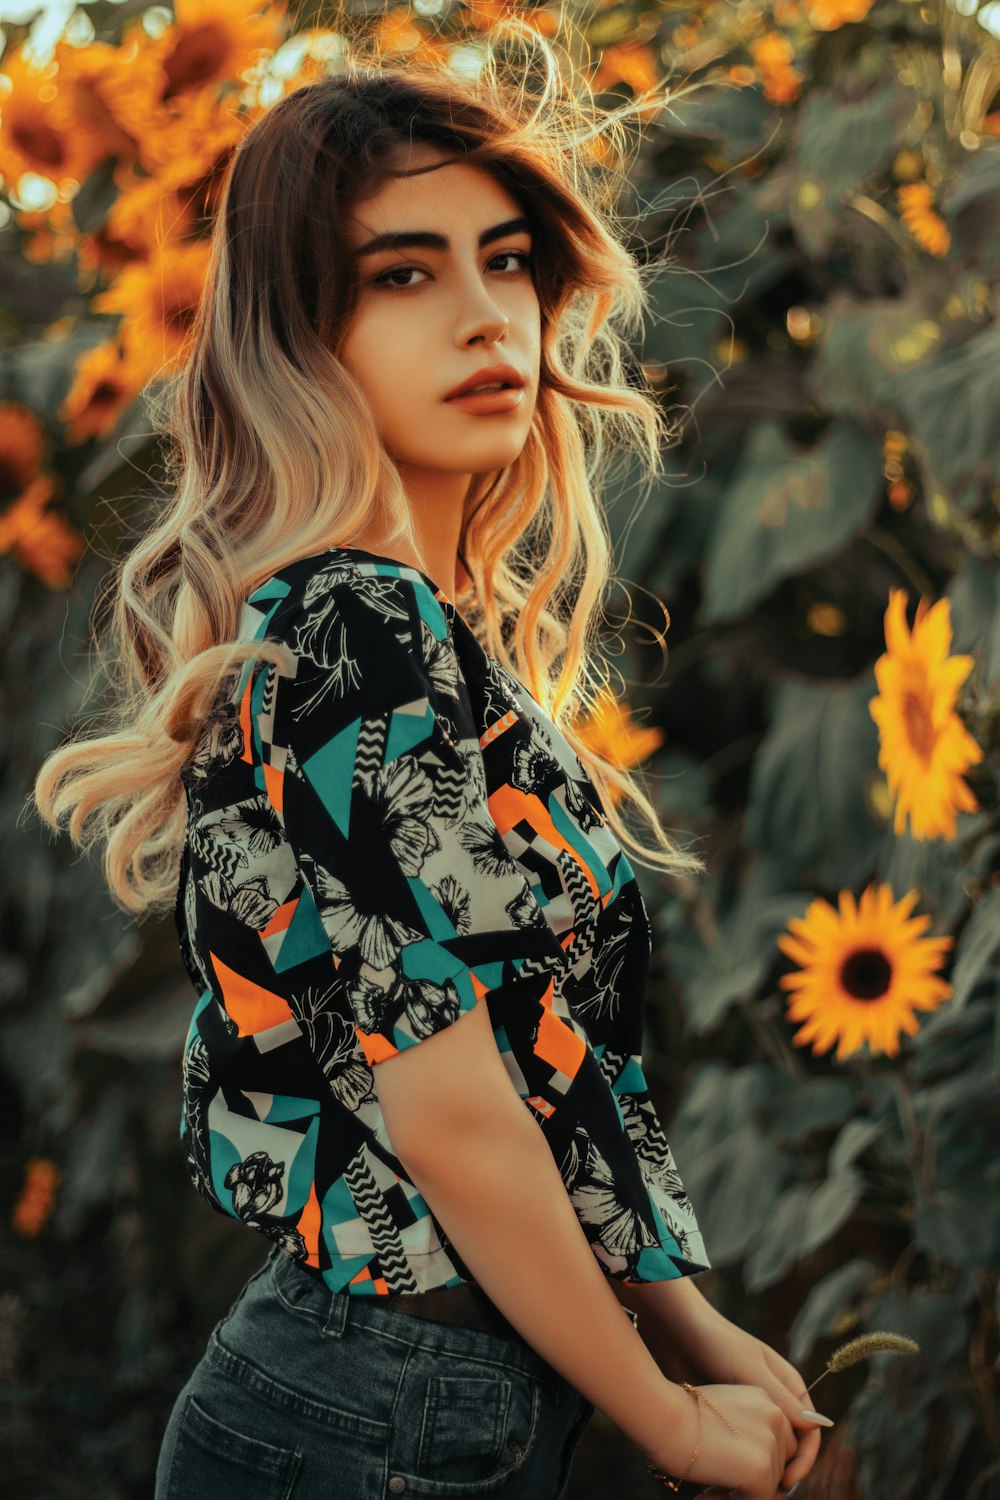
<point x="611" y="734"/>
<point x="924" y="748"/>
<point x="863" y="972"/>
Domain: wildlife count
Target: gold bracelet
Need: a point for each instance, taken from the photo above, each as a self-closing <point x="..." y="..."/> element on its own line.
<point x="675" y="1484"/>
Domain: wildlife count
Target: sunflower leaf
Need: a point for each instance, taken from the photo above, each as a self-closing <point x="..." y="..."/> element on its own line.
<point x="824" y="1310"/>
<point x="786" y="510"/>
<point x="807" y="779"/>
<point x="977" y="957"/>
<point x="803" y="1219"/>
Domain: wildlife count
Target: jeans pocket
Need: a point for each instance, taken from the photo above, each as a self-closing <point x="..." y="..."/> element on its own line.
<point x="210" y="1457"/>
<point x="464" y="1425"/>
<point x="465" y="1430"/>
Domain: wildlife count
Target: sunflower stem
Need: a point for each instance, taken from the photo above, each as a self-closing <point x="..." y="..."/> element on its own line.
<point x="885" y="542"/>
<point x="912" y="1134"/>
<point x="770" y="1040"/>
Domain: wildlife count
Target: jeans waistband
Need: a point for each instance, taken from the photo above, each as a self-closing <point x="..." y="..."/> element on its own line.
<point x="462" y="1306"/>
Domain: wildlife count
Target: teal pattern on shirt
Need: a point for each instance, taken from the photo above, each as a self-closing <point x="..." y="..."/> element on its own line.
<point x="374" y="843"/>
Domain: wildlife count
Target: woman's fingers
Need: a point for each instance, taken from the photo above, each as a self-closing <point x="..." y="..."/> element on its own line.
<point x="805" y="1457"/>
<point x="788" y="1390"/>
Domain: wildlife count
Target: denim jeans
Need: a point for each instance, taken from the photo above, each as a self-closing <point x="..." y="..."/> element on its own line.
<point x="307" y="1394"/>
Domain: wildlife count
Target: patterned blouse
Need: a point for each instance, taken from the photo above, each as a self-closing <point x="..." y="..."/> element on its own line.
<point x="374" y="843"/>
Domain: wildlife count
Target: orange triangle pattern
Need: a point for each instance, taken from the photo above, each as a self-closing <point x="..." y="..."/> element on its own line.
<point x="245" y="724"/>
<point x="309" y="1224"/>
<point x="252" y="1007"/>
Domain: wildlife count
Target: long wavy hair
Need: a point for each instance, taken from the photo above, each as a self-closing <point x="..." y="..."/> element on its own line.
<point x="249" y="490"/>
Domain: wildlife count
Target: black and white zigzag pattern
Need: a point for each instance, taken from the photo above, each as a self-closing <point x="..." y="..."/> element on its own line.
<point x="224" y="857"/>
<point x="375" y="1215"/>
<point x="371" y="751"/>
<point x="577" y="887"/>
<point x="450" y="790"/>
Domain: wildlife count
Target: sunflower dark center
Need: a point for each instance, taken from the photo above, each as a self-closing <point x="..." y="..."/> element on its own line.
<point x="919" y="729"/>
<point x="866" y="974"/>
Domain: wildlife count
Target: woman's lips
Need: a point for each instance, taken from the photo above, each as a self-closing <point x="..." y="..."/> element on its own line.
<point x="481" y="403"/>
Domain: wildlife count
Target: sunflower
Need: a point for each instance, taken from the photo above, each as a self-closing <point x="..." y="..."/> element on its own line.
<point x="864" y="971"/>
<point x="918" y="215"/>
<point x="924" y="747"/>
<point x="608" y="731"/>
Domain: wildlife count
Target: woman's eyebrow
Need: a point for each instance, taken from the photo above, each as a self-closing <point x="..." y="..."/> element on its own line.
<point x="426" y="239"/>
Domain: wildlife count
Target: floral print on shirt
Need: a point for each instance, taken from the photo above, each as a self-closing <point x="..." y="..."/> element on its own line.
<point x="375" y="843"/>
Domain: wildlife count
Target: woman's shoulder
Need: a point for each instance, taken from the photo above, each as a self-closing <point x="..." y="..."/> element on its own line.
<point x="366" y="590"/>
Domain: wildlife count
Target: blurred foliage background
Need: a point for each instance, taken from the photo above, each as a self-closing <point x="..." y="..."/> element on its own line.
<point x="825" y="730"/>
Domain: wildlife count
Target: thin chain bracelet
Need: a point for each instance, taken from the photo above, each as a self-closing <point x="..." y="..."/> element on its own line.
<point x="675" y="1484"/>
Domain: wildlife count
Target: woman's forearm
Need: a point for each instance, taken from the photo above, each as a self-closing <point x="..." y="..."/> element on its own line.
<point x="672" y="1305"/>
<point x="498" y="1194"/>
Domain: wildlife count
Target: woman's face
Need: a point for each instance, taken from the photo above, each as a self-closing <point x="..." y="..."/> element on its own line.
<point x="430" y="315"/>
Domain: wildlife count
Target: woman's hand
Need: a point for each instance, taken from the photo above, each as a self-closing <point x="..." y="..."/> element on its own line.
<point x="747" y="1467"/>
<point x="710" y="1347"/>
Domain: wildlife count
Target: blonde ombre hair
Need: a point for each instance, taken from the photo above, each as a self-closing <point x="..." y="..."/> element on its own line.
<point x="273" y="453"/>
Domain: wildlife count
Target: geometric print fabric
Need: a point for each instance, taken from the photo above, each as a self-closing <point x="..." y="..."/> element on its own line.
<point x="375" y="842"/>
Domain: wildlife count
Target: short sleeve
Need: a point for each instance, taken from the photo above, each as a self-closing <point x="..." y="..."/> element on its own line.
<point x="377" y="776"/>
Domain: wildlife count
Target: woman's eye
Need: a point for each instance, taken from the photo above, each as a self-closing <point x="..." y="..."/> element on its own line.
<point x="385" y="277"/>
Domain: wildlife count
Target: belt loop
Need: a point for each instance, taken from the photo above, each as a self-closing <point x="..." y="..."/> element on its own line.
<point x="336" y="1320"/>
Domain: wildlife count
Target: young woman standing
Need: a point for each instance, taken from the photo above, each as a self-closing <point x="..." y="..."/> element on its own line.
<point x="399" y="877"/>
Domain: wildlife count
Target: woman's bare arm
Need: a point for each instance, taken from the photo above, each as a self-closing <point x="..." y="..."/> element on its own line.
<point x="482" y="1164"/>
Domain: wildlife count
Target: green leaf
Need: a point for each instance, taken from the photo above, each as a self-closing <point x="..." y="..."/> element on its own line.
<point x="734" y="1185"/>
<point x="730" y="1170"/>
<point x="840" y="142"/>
<point x="95" y="195"/>
<point x="795" y="1109"/>
<point x="806" y="795"/>
<point x="786" y="510"/>
<point x="738" y="119"/>
<point x="935" y="867"/>
<point x="865" y="344"/>
<point x="977" y="957"/>
<point x="953" y="1040"/>
<point x="94" y="1168"/>
<point x="974" y="595"/>
<point x="963" y="1226"/>
<point x="712" y="979"/>
<point x="803" y="1219"/>
<point x="822" y="1313"/>
<point x="855" y="1137"/>
<point x="970" y="204"/>
<point x="953" y="404"/>
<point x="684" y="787"/>
<point x="961" y="1117"/>
<point x="888" y="1418"/>
<point x="150" y="1030"/>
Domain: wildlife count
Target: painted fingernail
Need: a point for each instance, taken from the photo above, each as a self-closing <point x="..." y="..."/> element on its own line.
<point x="814" y="1416"/>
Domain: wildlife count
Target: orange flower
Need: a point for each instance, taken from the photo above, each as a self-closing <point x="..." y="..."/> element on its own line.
<point x="211" y="42"/>
<point x="159" y="298"/>
<point x="22" y="442"/>
<point x="864" y="972"/>
<point x="610" y="733"/>
<point x="829" y="15"/>
<point x="108" y="92"/>
<point x="37" y="130"/>
<point x="34" y="1206"/>
<point x="104" y="385"/>
<point x="924" y="746"/>
<point x="42" y="541"/>
<point x="631" y="63"/>
<point x="772" y="56"/>
<point x="919" y="218"/>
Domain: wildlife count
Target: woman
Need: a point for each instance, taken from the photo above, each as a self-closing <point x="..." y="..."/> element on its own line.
<point x="380" y="829"/>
